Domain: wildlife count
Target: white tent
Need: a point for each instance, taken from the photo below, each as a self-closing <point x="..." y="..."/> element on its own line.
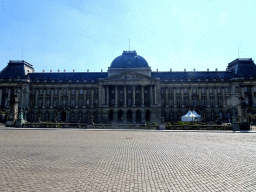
<point x="191" y="116"/>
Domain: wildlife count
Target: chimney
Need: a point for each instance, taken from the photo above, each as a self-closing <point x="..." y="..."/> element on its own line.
<point x="87" y="70"/>
<point x="184" y="69"/>
<point x="101" y="70"/>
<point x="216" y="69"/>
<point x="58" y="70"/>
<point x="73" y="70"/>
<point x="43" y="70"/>
<point x="156" y="70"/>
<point x="171" y="70"/>
<point x="50" y="71"/>
<point x="194" y="69"/>
<point x="64" y="70"/>
<point x="207" y="69"/>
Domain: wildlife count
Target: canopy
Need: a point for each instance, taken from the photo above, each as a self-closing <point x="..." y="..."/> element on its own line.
<point x="191" y="116"/>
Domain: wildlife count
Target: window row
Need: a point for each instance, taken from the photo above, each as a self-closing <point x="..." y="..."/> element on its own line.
<point x="194" y="90"/>
<point x="73" y="91"/>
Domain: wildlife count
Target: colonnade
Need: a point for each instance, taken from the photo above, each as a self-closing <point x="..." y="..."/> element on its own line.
<point x="106" y="102"/>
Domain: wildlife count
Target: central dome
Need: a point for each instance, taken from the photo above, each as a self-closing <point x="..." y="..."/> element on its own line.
<point x="129" y="59"/>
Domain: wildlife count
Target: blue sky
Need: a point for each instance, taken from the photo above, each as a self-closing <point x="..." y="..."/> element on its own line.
<point x="89" y="34"/>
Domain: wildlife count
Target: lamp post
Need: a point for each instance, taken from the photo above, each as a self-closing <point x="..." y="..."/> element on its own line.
<point x="21" y="92"/>
<point x="234" y="101"/>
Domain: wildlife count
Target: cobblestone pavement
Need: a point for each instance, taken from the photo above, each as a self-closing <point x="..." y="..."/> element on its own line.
<point x="126" y="160"/>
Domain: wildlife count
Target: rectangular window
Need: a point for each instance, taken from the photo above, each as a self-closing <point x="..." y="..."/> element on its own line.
<point x="194" y="90"/>
<point x="245" y="89"/>
<point x="88" y="91"/>
<point x="210" y="90"/>
<point x="129" y="102"/>
<point x="178" y="91"/>
<point x="170" y="90"/>
<point x="65" y="91"/>
<point x="129" y="91"/>
<point x="112" y="101"/>
<point x="203" y="90"/>
<point x="146" y="91"/>
<point x="121" y="91"/>
<point x="96" y="91"/>
<point x="56" y="91"/>
<point x="218" y="90"/>
<point x="96" y="103"/>
<point x="81" y="91"/>
<point x="48" y="92"/>
<point x="137" y="91"/>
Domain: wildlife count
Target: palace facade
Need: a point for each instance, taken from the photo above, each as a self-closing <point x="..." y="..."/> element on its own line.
<point x="129" y="92"/>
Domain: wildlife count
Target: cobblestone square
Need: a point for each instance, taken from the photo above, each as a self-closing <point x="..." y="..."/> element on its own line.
<point x="126" y="160"/>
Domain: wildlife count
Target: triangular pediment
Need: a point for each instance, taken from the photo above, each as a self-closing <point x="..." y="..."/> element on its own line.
<point x="129" y="76"/>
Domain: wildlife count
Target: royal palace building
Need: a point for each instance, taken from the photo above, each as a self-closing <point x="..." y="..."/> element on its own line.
<point x="129" y="92"/>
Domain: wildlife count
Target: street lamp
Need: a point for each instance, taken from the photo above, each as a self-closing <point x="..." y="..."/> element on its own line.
<point x="22" y="91"/>
<point x="234" y="102"/>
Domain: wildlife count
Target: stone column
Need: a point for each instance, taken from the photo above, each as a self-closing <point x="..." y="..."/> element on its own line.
<point x="69" y="95"/>
<point x="155" y="102"/>
<point x="100" y="95"/>
<point x="9" y="97"/>
<point x="133" y="98"/>
<point x="44" y="98"/>
<point x="60" y="94"/>
<point x="133" y="116"/>
<point x="116" y="96"/>
<point x="158" y="94"/>
<point x="190" y="96"/>
<point x="103" y="95"/>
<point x="200" y="96"/>
<point x="182" y="97"/>
<point x="143" y="119"/>
<point x="142" y="96"/>
<point x="36" y="104"/>
<point x="92" y="94"/>
<point x="125" y="116"/>
<point x="76" y="105"/>
<point x="115" y="115"/>
<point x="223" y="97"/>
<point x="251" y="93"/>
<point x="243" y="94"/>
<point x="166" y="97"/>
<point x="107" y="95"/>
<point x="215" y="97"/>
<point x="174" y="98"/>
<point x="208" y="98"/>
<point x="85" y="99"/>
<point x="151" y="96"/>
<point x="52" y="91"/>
<point x="125" y="102"/>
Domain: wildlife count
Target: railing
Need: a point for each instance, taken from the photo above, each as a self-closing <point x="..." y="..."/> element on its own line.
<point x="198" y="127"/>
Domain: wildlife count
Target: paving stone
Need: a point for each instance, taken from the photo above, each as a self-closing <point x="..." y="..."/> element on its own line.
<point x="117" y="160"/>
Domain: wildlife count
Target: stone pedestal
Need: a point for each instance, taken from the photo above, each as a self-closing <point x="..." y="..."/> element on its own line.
<point x="10" y="123"/>
<point x="235" y="127"/>
<point x="161" y="126"/>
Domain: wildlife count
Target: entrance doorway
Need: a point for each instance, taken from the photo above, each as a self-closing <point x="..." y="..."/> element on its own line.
<point x="148" y="116"/>
<point x="120" y="116"/>
<point x="63" y="116"/>
<point x="138" y="116"/>
<point x="129" y="116"/>
<point x="110" y="115"/>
